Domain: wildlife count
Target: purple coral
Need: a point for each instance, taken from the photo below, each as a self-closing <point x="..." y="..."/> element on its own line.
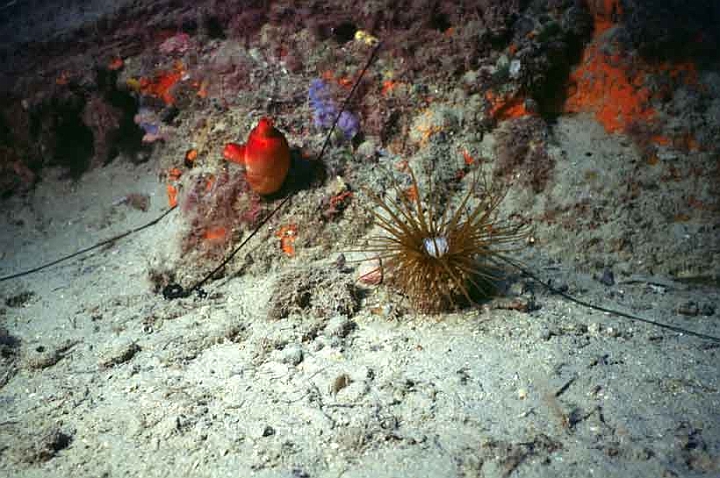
<point x="348" y="124"/>
<point x="149" y="122"/>
<point x="325" y="110"/>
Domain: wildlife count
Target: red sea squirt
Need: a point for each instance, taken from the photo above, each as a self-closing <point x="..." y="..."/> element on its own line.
<point x="266" y="157"/>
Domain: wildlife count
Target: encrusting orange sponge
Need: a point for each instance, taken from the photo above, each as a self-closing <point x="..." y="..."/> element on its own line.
<point x="266" y="157"/>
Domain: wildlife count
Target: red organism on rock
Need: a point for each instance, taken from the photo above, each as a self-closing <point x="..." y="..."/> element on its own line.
<point x="266" y="157"/>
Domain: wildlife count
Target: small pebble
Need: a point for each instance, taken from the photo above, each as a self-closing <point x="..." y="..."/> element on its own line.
<point x="339" y="326"/>
<point x="340" y="382"/>
<point x="340" y="262"/>
<point x="370" y="272"/>
<point x="707" y="309"/>
<point x="689" y="308"/>
<point x="545" y="334"/>
<point x="292" y="354"/>
<point x="612" y="332"/>
<point x="119" y="355"/>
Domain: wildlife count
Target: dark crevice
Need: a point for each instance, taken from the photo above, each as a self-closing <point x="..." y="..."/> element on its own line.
<point x="128" y="137"/>
<point x="440" y="22"/>
<point x="344" y="32"/>
<point x="74" y="140"/>
<point x="214" y="28"/>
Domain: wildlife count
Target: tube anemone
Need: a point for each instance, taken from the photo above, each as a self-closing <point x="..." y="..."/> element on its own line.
<point x="441" y="260"/>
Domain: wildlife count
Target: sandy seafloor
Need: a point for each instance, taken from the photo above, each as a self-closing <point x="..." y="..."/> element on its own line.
<point x="102" y="377"/>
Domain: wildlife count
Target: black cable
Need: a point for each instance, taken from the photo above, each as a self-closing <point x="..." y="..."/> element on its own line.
<point x="88" y="249"/>
<point x="176" y="291"/>
<point x="603" y="309"/>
